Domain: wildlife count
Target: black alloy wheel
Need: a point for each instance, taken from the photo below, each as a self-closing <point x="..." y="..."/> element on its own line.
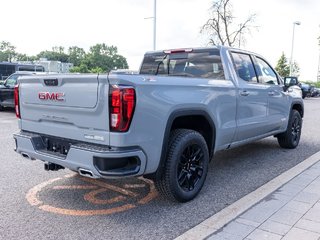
<point x="291" y="137"/>
<point x="295" y="130"/>
<point x="186" y="166"/>
<point x="190" y="168"/>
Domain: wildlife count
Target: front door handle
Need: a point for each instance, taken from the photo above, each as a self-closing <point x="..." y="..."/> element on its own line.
<point x="244" y="93"/>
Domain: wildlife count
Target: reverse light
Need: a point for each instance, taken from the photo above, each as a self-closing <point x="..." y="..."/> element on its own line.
<point x="121" y="106"/>
<point x="16" y="101"/>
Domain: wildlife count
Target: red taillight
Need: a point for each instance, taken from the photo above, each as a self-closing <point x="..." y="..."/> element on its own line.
<point x="121" y="107"/>
<point x="16" y="100"/>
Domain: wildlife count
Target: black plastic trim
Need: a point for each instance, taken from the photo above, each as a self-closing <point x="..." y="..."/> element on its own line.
<point x="174" y="115"/>
<point x="122" y="166"/>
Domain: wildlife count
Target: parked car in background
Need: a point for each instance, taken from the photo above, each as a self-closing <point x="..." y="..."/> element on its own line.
<point x="306" y="90"/>
<point x="7" y="89"/>
<point x="293" y="81"/>
<point x="8" y="68"/>
<point x="315" y="92"/>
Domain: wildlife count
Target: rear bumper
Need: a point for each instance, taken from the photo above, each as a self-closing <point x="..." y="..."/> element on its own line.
<point x="102" y="161"/>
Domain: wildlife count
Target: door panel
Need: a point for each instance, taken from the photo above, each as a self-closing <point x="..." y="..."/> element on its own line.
<point x="277" y="100"/>
<point x="252" y="99"/>
<point x="252" y="111"/>
<point x="278" y="104"/>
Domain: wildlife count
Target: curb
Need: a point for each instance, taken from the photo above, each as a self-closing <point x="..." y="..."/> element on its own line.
<point x="220" y="219"/>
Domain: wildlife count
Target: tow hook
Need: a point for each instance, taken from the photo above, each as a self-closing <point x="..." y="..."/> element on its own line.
<point x="52" y="167"/>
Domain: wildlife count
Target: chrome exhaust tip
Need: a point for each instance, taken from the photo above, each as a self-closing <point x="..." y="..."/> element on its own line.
<point x="26" y="155"/>
<point x="86" y="173"/>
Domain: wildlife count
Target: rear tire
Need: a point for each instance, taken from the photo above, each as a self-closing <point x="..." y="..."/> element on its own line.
<point x="291" y="137"/>
<point x="186" y="166"/>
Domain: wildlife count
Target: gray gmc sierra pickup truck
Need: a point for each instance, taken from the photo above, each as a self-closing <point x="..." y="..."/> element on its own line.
<point x="164" y="123"/>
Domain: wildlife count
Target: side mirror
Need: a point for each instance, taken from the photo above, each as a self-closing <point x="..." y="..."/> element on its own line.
<point x="288" y="82"/>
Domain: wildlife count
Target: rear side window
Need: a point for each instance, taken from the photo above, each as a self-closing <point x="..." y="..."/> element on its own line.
<point x="197" y="64"/>
<point x="244" y="67"/>
<point x="39" y="69"/>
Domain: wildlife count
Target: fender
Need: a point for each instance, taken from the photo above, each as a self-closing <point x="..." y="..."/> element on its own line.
<point x="298" y="105"/>
<point x="174" y="115"/>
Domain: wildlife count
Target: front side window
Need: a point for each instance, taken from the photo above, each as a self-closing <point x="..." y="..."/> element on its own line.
<point x="244" y="67"/>
<point x="265" y="73"/>
<point x="196" y="64"/>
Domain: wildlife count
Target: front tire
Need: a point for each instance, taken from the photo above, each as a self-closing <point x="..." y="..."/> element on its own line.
<point x="186" y="166"/>
<point x="291" y="137"/>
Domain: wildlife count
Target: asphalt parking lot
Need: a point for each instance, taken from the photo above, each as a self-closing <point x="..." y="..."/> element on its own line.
<point x="36" y="204"/>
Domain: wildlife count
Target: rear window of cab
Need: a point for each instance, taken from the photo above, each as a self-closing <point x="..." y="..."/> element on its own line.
<point x="185" y="63"/>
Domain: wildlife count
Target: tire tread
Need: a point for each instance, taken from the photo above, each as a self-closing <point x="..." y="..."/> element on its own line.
<point x="163" y="184"/>
<point x="284" y="139"/>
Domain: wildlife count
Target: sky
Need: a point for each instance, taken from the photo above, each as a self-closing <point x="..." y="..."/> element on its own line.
<point x="36" y="25"/>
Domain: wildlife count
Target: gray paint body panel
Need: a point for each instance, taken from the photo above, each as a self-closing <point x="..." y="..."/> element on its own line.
<point x="237" y="119"/>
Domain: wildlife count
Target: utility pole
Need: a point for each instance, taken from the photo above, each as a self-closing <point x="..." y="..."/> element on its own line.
<point x="318" y="73"/>
<point x="240" y="36"/>
<point x="154" y="24"/>
<point x="291" y="58"/>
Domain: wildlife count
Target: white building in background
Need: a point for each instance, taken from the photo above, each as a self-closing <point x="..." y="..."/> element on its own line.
<point x="52" y="66"/>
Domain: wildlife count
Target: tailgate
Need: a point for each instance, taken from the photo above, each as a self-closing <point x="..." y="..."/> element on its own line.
<point x="69" y="106"/>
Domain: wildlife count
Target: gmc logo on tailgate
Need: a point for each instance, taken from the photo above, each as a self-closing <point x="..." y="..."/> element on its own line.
<point x="51" y="96"/>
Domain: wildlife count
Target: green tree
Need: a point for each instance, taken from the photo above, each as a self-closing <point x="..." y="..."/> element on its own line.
<point x="7" y="51"/>
<point x="80" y="69"/>
<point x="283" y="67"/>
<point x="104" y="57"/>
<point x="100" y="58"/>
<point x="222" y="27"/>
<point x="119" y="62"/>
<point x="96" y="70"/>
<point x="76" y="55"/>
<point x="295" y="69"/>
<point x="57" y="54"/>
<point x="25" y="57"/>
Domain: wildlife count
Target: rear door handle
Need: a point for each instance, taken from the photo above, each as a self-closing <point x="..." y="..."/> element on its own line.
<point x="244" y="93"/>
<point x="271" y="93"/>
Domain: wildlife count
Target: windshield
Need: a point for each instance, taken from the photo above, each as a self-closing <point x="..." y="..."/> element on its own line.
<point x="201" y="63"/>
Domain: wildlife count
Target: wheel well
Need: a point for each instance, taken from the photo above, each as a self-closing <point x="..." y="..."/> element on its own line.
<point x="196" y="120"/>
<point x="198" y="123"/>
<point x="299" y="108"/>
